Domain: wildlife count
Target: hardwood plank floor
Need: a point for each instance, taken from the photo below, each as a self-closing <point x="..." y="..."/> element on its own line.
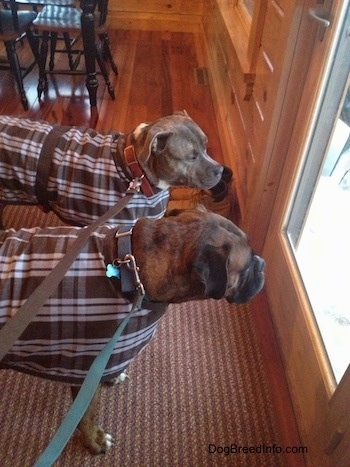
<point x="156" y="77"/>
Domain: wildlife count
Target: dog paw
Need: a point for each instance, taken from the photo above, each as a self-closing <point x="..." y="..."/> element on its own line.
<point x="98" y="442"/>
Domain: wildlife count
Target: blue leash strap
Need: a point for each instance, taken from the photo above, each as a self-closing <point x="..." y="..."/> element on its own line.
<point x="84" y="397"/>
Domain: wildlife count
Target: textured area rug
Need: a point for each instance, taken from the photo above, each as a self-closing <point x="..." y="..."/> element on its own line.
<point x="197" y="388"/>
<point x="196" y="395"/>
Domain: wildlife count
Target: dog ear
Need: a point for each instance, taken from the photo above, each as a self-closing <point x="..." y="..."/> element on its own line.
<point x="210" y="269"/>
<point x="154" y="143"/>
<point x="159" y="141"/>
<point x="181" y="112"/>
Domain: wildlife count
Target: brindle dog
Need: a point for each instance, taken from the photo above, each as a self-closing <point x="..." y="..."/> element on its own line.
<point x="79" y="173"/>
<point x="194" y="255"/>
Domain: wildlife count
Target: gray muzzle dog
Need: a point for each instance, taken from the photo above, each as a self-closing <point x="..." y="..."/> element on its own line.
<point x="79" y="173"/>
<point x="191" y="256"/>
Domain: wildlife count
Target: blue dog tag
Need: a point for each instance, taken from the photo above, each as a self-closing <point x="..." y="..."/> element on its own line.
<point x="112" y="271"/>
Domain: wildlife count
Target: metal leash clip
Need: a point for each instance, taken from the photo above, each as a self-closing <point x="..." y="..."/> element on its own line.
<point x="135" y="184"/>
<point x="131" y="264"/>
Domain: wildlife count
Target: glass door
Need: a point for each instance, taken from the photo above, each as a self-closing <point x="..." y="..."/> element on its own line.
<point x="307" y="249"/>
<point x="319" y="223"/>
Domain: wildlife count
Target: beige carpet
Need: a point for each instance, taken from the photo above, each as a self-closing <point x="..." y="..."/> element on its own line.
<point x="200" y="382"/>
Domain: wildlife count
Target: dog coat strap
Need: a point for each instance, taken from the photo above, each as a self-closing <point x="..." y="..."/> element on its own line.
<point x="44" y="165"/>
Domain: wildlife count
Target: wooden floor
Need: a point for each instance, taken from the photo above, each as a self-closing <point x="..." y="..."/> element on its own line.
<point x="156" y="77"/>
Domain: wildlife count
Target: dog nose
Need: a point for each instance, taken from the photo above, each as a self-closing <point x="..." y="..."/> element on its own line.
<point x="260" y="262"/>
<point x="219" y="170"/>
<point x="215" y="170"/>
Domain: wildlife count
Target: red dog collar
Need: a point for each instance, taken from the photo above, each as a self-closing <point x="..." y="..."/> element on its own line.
<point x="136" y="169"/>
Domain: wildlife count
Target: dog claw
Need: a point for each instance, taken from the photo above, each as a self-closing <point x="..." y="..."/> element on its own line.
<point x="118" y="380"/>
<point x="109" y="441"/>
<point x="97" y="441"/>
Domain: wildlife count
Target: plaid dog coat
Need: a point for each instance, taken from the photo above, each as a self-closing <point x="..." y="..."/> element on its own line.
<point x="53" y="165"/>
<point x="83" y="313"/>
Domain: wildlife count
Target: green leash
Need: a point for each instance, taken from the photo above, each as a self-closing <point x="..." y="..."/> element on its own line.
<point x="85" y="395"/>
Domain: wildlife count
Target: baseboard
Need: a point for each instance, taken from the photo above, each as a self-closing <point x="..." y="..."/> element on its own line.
<point x="277" y="378"/>
<point x="154" y="21"/>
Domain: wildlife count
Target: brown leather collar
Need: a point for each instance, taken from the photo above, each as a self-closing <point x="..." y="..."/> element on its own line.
<point x="136" y="169"/>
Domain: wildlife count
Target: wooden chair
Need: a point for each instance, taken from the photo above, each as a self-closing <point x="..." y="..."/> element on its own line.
<point x="15" y="25"/>
<point x="56" y="20"/>
<point x="38" y="5"/>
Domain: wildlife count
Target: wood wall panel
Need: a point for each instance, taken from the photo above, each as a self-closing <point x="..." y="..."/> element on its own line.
<point x="254" y="92"/>
<point x="222" y="69"/>
<point x="272" y="33"/>
<point x="156" y="15"/>
<point x="183" y="7"/>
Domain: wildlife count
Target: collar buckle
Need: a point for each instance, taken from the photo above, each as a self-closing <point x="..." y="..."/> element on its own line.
<point x="137" y="171"/>
<point x="136" y="184"/>
<point x="130" y="279"/>
<point x="131" y="264"/>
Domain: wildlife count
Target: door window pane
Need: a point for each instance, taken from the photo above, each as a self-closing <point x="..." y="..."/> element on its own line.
<point x="319" y="224"/>
<point x="323" y="250"/>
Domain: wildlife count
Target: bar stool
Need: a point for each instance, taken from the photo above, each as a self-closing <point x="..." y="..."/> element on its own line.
<point x="56" y="20"/>
<point x="14" y="26"/>
<point x="37" y="6"/>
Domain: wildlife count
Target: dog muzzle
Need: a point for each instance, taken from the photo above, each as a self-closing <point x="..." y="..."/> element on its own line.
<point x="251" y="281"/>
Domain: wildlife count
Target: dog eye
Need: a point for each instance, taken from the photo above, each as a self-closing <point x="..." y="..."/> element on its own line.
<point x="194" y="156"/>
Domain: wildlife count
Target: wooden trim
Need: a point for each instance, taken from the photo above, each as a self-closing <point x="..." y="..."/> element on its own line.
<point x="256" y="32"/>
<point x="154" y="21"/>
<point x="238" y="33"/>
<point x="277" y="380"/>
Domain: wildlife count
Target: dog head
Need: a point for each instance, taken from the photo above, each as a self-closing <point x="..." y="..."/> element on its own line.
<point x="196" y="255"/>
<point x="172" y="152"/>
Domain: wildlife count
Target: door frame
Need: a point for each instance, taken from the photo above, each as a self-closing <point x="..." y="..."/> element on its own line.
<point x="311" y="384"/>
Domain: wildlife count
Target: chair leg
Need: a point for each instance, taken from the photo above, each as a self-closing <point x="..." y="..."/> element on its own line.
<point x="16" y="70"/>
<point x="34" y="44"/>
<point x="104" y="38"/>
<point x="68" y="45"/>
<point x="53" y="43"/>
<point x="68" y="49"/>
<point x="42" y="83"/>
<point x="103" y="68"/>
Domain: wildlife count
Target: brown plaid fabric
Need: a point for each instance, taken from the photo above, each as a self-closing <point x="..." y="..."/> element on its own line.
<point x="86" y="175"/>
<point x="82" y="314"/>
